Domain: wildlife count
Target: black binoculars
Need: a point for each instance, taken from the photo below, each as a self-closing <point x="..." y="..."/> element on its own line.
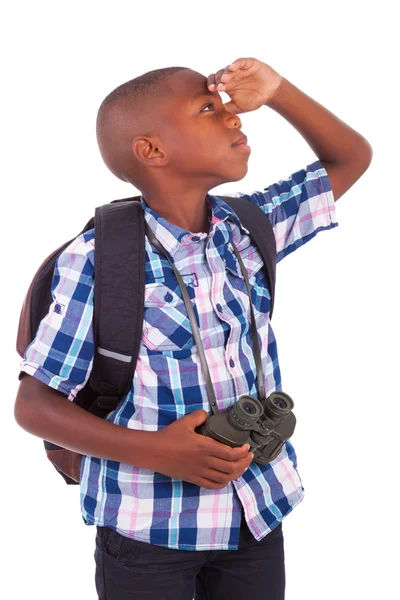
<point x="265" y="425"/>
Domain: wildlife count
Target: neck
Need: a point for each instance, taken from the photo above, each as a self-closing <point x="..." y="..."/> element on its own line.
<point x="186" y="209"/>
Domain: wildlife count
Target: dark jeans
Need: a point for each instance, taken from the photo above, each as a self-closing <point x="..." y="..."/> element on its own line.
<point x="130" y="570"/>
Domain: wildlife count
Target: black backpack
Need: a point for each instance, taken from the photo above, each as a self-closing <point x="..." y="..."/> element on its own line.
<point x="119" y="263"/>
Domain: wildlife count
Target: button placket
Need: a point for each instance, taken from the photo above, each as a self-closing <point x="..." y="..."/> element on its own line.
<point x="217" y="268"/>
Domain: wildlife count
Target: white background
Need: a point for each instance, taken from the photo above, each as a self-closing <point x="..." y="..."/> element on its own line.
<point x="335" y="320"/>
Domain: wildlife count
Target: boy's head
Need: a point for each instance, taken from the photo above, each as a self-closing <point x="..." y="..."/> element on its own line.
<point x="166" y="125"/>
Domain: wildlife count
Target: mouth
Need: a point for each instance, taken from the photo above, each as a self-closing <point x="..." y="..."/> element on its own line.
<point x="242" y="144"/>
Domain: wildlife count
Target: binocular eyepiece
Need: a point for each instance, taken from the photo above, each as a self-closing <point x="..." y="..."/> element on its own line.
<point x="247" y="410"/>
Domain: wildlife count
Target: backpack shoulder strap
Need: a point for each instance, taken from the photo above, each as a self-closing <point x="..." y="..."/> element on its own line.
<point x="261" y="233"/>
<point x="118" y="299"/>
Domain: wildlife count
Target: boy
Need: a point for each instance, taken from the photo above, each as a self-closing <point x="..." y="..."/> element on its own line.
<point x="178" y="513"/>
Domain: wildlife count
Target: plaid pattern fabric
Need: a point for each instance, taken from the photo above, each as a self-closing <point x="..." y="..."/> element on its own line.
<point x="168" y="382"/>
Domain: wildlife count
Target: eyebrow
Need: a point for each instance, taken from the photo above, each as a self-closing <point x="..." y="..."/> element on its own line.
<point x="201" y="93"/>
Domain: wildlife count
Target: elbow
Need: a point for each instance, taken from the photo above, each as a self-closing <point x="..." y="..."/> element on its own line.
<point x="21" y="404"/>
<point x="36" y="405"/>
<point x="29" y="396"/>
<point x="367" y="153"/>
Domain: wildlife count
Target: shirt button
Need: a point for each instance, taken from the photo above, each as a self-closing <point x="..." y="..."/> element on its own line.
<point x="219" y="307"/>
<point x="232" y="362"/>
<point x="195" y="238"/>
<point x="168" y="297"/>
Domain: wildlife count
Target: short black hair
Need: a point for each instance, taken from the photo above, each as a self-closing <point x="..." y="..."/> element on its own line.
<point x="126" y="111"/>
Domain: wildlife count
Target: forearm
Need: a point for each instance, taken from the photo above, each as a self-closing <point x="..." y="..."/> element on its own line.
<point x="46" y="413"/>
<point x="330" y="138"/>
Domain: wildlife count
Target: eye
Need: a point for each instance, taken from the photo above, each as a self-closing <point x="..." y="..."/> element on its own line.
<point x="202" y="110"/>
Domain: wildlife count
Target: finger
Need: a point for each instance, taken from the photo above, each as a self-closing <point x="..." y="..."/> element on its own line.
<point x="210" y="485"/>
<point x="242" y="63"/>
<point x="221" y="477"/>
<point x="219" y="79"/>
<point x="217" y="476"/>
<point x="224" y="452"/>
<point x="211" y="81"/>
<point x="230" y="467"/>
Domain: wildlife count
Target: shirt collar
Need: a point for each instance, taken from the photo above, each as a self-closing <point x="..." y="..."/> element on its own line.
<point x="172" y="236"/>
<point x="221" y="211"/>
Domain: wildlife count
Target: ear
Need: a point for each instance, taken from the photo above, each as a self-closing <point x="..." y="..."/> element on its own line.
<point x="148" y="151"/>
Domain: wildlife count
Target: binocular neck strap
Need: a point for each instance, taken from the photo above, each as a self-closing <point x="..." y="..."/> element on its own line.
<point x="195" y="329"/>
<point x="254" y="334"/>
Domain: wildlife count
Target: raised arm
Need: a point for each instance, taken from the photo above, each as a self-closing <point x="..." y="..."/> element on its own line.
<point x="251" y="83"/>
<point x="345" y="154"/>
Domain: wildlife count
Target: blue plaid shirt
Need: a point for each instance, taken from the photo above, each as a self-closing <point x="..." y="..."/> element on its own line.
<point x="168" y="381"/>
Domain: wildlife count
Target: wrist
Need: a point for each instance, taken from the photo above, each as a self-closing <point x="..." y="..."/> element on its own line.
<point x="145" y="449"/>
<point x="139" y="448"/>
<point x="279" y="94"/>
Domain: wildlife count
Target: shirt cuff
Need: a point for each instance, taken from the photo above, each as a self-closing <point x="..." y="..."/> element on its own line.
<point x="53" y="381"/>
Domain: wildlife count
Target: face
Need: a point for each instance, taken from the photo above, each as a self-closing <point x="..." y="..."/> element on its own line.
<point x="198" y="132"/>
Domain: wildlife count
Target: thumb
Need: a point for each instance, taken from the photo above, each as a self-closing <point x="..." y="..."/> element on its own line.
<point x="197" y="417"/>
<point x="232" y="108"/>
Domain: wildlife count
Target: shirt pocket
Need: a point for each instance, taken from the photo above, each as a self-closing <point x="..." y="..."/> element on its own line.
<point x="166" y="325"/>
<point x="254" y="265"/>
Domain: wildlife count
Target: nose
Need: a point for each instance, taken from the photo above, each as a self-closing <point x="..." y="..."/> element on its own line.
<point x="233" y="120"/>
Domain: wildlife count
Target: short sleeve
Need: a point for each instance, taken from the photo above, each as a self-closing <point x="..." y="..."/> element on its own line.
<point x="298" y="207"/>
<point x="61" y="354"/>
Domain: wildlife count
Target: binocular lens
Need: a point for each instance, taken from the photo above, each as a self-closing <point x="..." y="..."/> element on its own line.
<point x="249" y="408"/>
<point x="278" y="405"/>
<point x="245" y="412"/>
